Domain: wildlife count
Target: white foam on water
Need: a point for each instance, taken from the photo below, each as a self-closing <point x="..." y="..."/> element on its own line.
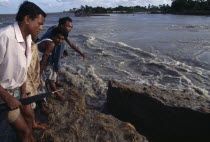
<point x="91" y="38"/>
<point x="122" y="44"/>
<point x="94" y="77"/>
<point x="189" y="27"/>
<point x="87" y="83"/>
<point x="119" y="61"/>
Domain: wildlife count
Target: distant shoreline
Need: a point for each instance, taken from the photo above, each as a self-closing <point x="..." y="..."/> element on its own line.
<point x="175" y="13"/>
<point x="198" y="13"/>
<point x="7" y="14"/>
<point x="193" y="13"/>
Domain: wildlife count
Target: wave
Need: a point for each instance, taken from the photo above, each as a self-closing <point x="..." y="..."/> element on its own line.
<point x="88" y="82"/>
<point x="192" y="28"/>
<point x="119" y="61"/>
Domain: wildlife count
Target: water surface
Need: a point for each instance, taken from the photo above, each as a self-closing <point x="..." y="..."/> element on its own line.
<point x="168" y="51"/>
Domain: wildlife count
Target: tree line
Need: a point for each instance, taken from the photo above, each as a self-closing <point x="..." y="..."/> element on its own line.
<point x="120" y="8"/>
<point x="177" y="6"/>
<point x="191" y="6"/>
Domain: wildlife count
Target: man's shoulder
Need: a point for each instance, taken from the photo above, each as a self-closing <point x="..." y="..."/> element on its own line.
<point x="47" y="44"/>
<point x="51" y="28"/>
<point x="47" y="34"/>
<point x="7" y="31"/>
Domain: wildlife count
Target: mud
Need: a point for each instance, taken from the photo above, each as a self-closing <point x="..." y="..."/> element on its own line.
<point x="73" y="121"/>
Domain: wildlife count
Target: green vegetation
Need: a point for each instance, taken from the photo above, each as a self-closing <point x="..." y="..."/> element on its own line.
<point x="200" y="7"/>
<point x="121" y="9"/>
<point x="190" y="5"/>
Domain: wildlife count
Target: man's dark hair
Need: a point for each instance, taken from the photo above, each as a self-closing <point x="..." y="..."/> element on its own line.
<point x="57" y="31"/>
<point x="63" y="20"/>
<point x="30" y="9"/>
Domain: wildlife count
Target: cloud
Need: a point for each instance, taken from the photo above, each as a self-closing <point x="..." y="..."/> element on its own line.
<point x="111" y="3"/>
<point x="62" y="0"/>
<point x="11" y="6"/>
<point x="4" y="2"/>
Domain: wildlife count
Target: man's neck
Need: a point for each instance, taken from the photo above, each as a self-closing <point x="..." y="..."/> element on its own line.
<point x="23" y="30"/>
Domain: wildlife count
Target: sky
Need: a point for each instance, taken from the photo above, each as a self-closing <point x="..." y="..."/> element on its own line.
<point x="11" y="6"/>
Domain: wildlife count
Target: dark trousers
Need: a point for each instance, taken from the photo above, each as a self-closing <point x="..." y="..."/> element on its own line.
<point x="7" y="134"/>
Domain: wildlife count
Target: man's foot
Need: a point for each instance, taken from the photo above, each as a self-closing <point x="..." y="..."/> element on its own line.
<point x="59" y="84"/>
<point x="41" y="126"/>
<point x="33" y="139"/>
<point x="61" y="98"/>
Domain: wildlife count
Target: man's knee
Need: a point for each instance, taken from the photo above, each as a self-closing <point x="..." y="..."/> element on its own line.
<point x="26" y="132"/>
<point x="21" y="127"/>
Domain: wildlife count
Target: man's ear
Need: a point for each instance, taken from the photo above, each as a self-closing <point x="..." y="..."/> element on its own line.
<point x="26" y="19"/>
<point x="62" y="26"/>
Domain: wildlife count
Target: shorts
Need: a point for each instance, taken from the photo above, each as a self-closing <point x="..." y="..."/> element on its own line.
<point x="14" y="114"/>
<point x="50" y="73"/>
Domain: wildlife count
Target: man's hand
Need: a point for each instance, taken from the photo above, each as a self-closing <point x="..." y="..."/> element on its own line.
<point x="12" y="102"/>
<point x="9" y="100"/>
<point x="75" y="48"/>
<point x="84" y="56"/>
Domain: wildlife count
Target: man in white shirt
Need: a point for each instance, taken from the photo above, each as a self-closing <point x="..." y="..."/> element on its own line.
<point x="15" y="58"/>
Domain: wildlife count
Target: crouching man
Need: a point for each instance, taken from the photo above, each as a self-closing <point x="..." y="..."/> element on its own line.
<point x="51" y="50"/>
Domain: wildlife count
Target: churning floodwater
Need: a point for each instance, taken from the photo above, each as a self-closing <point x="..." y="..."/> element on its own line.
<point x="168" y="51"/>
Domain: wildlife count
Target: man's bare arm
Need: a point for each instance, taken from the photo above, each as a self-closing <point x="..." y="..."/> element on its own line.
<point x="75" y="48"/>
<point x="49" y="48"/>
<point x="10" y="101"/>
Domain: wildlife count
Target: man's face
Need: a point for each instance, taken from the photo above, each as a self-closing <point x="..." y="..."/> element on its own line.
<point x="67" y="26"/>
<point x="58" y="39"/>
<point x="35" y="25"/>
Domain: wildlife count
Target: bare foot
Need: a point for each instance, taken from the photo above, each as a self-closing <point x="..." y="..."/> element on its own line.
<point x="33" y="139"/>
<point x="61" y="98"/>
<point x="41" y="126"/>
<point x="59" y="84"/>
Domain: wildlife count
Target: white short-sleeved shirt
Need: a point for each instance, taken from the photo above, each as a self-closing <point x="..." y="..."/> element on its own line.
<point x="15" y="57"/>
